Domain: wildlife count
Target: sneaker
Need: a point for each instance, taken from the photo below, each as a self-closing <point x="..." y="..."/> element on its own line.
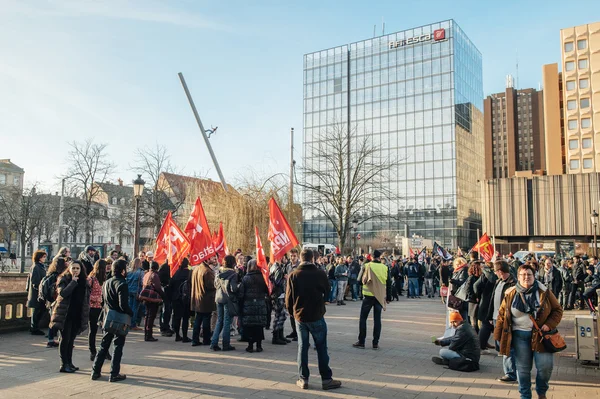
<point x="196" y="343"/>
<point x="302" y="384"/>
<point x="117" y="378"/>
<point x="354" y="300"/>
<point x="331" y="384"/>
<point x="52" y="344"/>
<point x="507" y="379"/>
<point x="439" y="360"/>
<point x="358" y="345"/>
<point x="375" y="346"/>
<point x="486" y="352"/>
<point x="215" y="348"/>
<point x="186" y="340"/>
<point x="228" y="348"/>
<point x="96" y="376"/>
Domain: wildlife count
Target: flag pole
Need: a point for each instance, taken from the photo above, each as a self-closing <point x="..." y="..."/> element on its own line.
<point x="478" y="238"/>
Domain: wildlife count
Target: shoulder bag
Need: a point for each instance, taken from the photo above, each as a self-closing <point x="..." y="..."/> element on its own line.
<point x="552" y="340"/>
<point x="149" y="294"/>
<point x="116" y="322"/>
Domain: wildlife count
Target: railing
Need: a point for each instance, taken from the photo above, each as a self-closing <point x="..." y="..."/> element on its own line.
<point x="14" y="314"/>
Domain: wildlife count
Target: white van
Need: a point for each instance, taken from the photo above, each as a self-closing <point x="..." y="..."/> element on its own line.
<point x="323" y="249"/>
<point x="538" y="254"/>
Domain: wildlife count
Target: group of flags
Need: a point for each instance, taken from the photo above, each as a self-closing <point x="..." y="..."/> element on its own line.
<point x="196" y="241"/>
<point x="484" y="247"/>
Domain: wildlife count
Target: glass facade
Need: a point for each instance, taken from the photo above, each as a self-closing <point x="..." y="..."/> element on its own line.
<point x="418" y="95"/>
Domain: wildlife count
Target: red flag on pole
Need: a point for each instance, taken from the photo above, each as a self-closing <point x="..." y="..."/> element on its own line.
<point x="219" y="242"/>
<point x="199" y="234"/>
<point x="411" y="253"/>
<point x="281" y="235"/>
<point x="484" y="247"/>
<point x="172" y="245"/>
<point x="261" y="261"/>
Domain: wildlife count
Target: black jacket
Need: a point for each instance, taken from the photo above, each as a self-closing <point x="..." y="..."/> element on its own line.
<point x="557" y="281"/>
<point x="444" y="275"/>
<point x="164" y="274"/>
<point x="511" y="281"/>
<point x="115" y="294"/>
<point x="89" y="265"/>
<point x="484" y="289"/>
<point x="458" y="278"/>
<point x="307" y="288"/>
<point x="579" y="273"/>
<point x="181" y="276"/>
<point x="38" y="271"/>
<point x="464" y="342"/>
<point x="252" y="294"/>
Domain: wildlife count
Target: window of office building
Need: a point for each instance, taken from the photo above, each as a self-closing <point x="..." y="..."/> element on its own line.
<point x="572" y="124"/>
<point x="581" y="44"/>
<point x="586" y="123"/>
<point x="570" y="85"/>
<point x="583" y="64"/>
<point x="574" y="164"/>
<point x="573" y="144"/>
<point x="584" y="83"/>
<point x="585" y="103"/>
<point x="586" y="143"/>
<point x="569" y="66"/>
<point x="568" y="47"/>
<point x="587" y="163"/>
<point x="572" y="104"/>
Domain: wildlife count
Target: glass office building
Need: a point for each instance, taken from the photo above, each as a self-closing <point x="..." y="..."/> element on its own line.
<point x="418" y="95"/>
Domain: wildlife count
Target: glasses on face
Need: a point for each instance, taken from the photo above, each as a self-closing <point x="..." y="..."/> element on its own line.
<point x="526" y="275"/>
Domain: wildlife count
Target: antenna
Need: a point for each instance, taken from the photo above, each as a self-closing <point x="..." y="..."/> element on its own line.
<point x="374" y="28"/>
<point x="382" y="27"/>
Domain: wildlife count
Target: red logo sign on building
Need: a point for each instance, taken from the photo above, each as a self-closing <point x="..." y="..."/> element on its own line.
<point x="439" y="34"/>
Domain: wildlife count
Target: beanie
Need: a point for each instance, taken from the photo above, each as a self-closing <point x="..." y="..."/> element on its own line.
<point x="455" y="316"/>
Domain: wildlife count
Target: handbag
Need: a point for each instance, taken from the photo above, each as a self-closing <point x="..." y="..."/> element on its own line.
<point x="552" y="340"/>
<point x="454" y="302"/>
<point x="444" y="291"/>
<point x="149" y="294"/>
<point x="116" y="323"/>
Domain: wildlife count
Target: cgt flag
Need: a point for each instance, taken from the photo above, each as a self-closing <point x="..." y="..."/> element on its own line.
<point x="438" y="250"/>
<point x="171" y="244"/>
<point x="281" y="235"/>
<point x="261" y="261"/>
<point x="219" y="242"/>
<point x="199" y="234"/>
<point x="484" y="247"/>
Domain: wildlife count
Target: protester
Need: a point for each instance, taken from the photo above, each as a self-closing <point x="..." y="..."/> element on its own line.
<point x="95" y="281"/>
<point x="37" y="273"/>
<point x="115" y="295"/>
<point x="331" y="267"/>
<point x="552" y="277"/>
<point x="71" y="312"/>
<point x="307" y="288"/>
<point x="134" y="287"/>
<point x="412" y="272"/>
<point x="226" y="284"/>
<point x="293" y="265"/>
<point x="341" y="276"/>
<point x="463" y="345"/>
<point x="577" y="286"/>
<point x="567" y="278"/>
<point x="152" y="282"/>
<point x="353" y="270"/>
<point x="505" y="281"/>
<point x="164" y="274"/>
<point x="460" y="274"/>
<point x="377" y="293"/>
<point x="88" y="258"/>
<point x="202" y="297"/>
<point x="179" y="289"/>
<point x="252" y="294"/>
<point x="48" y="289"/>
<point x="472" y="297"/>
<point x="484" y="289"/>
<point x="278" y="279"/>
<point x="522" y="303"/>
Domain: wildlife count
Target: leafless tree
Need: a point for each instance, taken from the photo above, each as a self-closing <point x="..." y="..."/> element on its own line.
<point x="88" y="163"/>
<point x="123" y="222"/>
<point x="345" y="176"/>
<point x="24" y="211"/>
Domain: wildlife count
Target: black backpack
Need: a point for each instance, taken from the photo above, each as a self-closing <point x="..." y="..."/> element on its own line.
<point x="184" y="292"/>
<point x="47" y="291"/>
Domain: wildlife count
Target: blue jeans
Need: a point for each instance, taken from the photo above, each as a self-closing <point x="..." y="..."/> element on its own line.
<point x="521" y="342"/>
<point x="413" y="287"/>
<point x="202" y="319"/>
<point x="353" y="288"/>
<point x="134" y="304"/>
<point x="508" y="362"/>
<point x="223" y="324"/>
<point x="333" y="293"/>
<point x="448" y="354"/>
<point x="318" y="330"/>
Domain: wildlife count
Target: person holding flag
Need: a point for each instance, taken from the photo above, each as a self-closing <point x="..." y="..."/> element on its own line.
<point x="253" y="291"/>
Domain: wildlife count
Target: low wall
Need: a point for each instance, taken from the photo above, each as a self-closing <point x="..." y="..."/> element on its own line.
<point x="14" y="314"/>
<point x="13" y="282"/>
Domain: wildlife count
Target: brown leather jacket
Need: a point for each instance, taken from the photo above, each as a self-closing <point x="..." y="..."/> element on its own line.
<point x="550" y="314"/>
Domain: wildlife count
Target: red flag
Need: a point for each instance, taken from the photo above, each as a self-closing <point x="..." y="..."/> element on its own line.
<point x="281" y="235"/>
<point x="199" y="234"/>
<point x="411" y="253"/>
<point x="172" y="245"/>
<point x="261" y="261"/>
<point x="484" y="247"/>
<point x="219" y="242"/>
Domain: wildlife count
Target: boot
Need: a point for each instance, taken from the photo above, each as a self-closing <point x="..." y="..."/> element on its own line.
<point x="277" y="340"/>
<point x="177" y="337"/>
<point x="149" y="337"/>
<point x="259" y="346"/>
<point x="283" y="338"/>
<point x="250" y="347"/>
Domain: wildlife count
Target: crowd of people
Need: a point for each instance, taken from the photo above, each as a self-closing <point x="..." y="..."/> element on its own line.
<point x="217" y="300"/>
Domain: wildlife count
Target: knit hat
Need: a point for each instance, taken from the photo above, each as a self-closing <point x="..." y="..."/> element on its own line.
<point x="150" y="254"/>
<point x="455" y="316"/>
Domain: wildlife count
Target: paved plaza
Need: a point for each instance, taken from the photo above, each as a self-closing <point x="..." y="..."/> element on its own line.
<point x="402" y="368"/>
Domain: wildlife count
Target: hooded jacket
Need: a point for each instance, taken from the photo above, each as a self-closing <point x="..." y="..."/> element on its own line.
<point x="65" y="288"/>
<point x="226" y="284"/>
<point x="252" y="293"/>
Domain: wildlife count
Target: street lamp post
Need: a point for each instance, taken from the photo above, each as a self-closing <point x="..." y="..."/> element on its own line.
<point x="594" y="224"/>
<point x="138" y="189"/>
<point x="354" y="227"/>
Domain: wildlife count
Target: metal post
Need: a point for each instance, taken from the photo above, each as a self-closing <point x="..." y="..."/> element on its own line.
<point x="478" y="252"/>
<point x="61" y="209"/>
<point x="595" y="241"/>
<point x="136" y="235"/>
<point x="210" y="150"/>
<point x="291" y="199"/>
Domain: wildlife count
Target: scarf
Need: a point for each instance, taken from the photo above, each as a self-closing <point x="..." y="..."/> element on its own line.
<point x="549" y="276"/>
<point x="531" y="296"/>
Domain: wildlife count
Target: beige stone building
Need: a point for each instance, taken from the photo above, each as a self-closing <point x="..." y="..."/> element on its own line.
<point x="11" y="175"/>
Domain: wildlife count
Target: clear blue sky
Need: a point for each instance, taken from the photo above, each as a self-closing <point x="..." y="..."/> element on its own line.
<point x="108" y="69"/>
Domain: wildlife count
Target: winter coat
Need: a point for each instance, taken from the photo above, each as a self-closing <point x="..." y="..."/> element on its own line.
<point x="151" y="279"/>
<point x="202" y="292"/>
<point x="484" y="289"/>
<point x="472" y="297"/>
<point x="510" y="282"/>
<point x="87" y="262"/>
<point x="549" y="313"/>
<point x="444" y="275"/>
<point x="252" y="294"/>
<point x="464" y="342"/>
<point x="180" y="277"/>
<point x="226" y="284"/>
<point x="306" y="290"/>
<point x="65" y="288"/>
<point x="134" y="281"/>
<point x="458" y="278"/>
<point x="557" y="282"/>
<point x="339" y="272"/>
<point x="38" y="271"/>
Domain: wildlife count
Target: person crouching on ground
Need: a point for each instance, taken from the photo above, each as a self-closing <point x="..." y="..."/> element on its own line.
<point x="253" y="292"/>
<point x="464" y="344"/>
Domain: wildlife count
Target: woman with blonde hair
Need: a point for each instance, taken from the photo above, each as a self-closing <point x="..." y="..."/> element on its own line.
<point x="459" y="277"/>
<point x="134" y="283"/>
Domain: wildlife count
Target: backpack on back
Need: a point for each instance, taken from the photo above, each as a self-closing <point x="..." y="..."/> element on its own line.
<point x="47" y="291"/>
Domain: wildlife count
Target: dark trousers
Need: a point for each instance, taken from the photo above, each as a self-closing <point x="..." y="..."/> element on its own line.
<point x="165" y="316"/>
<point x="151" y="310"/>
<point x="269" y="312"/>
<point x="368" y="303"/>
<point x="94" y="316"/>
<point x="293" y="324"/>
<point x="574" y="294"/>
<point x="36" y="316"/>
<point x="563" y="298"/>
<point x="202" y="319"/>
<point x="115" y="366"/>
<point x="485" y="332"/>
<point x="67" y="340"/>
<point x="181" y="318"/>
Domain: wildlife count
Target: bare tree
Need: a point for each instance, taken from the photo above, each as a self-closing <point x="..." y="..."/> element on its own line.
<point x="150" y="163"/>
<point x="24" y="211"/>
<point x="344" y="177"/>
<point x="123" y="222"/>
<point x="88" y="164"/>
